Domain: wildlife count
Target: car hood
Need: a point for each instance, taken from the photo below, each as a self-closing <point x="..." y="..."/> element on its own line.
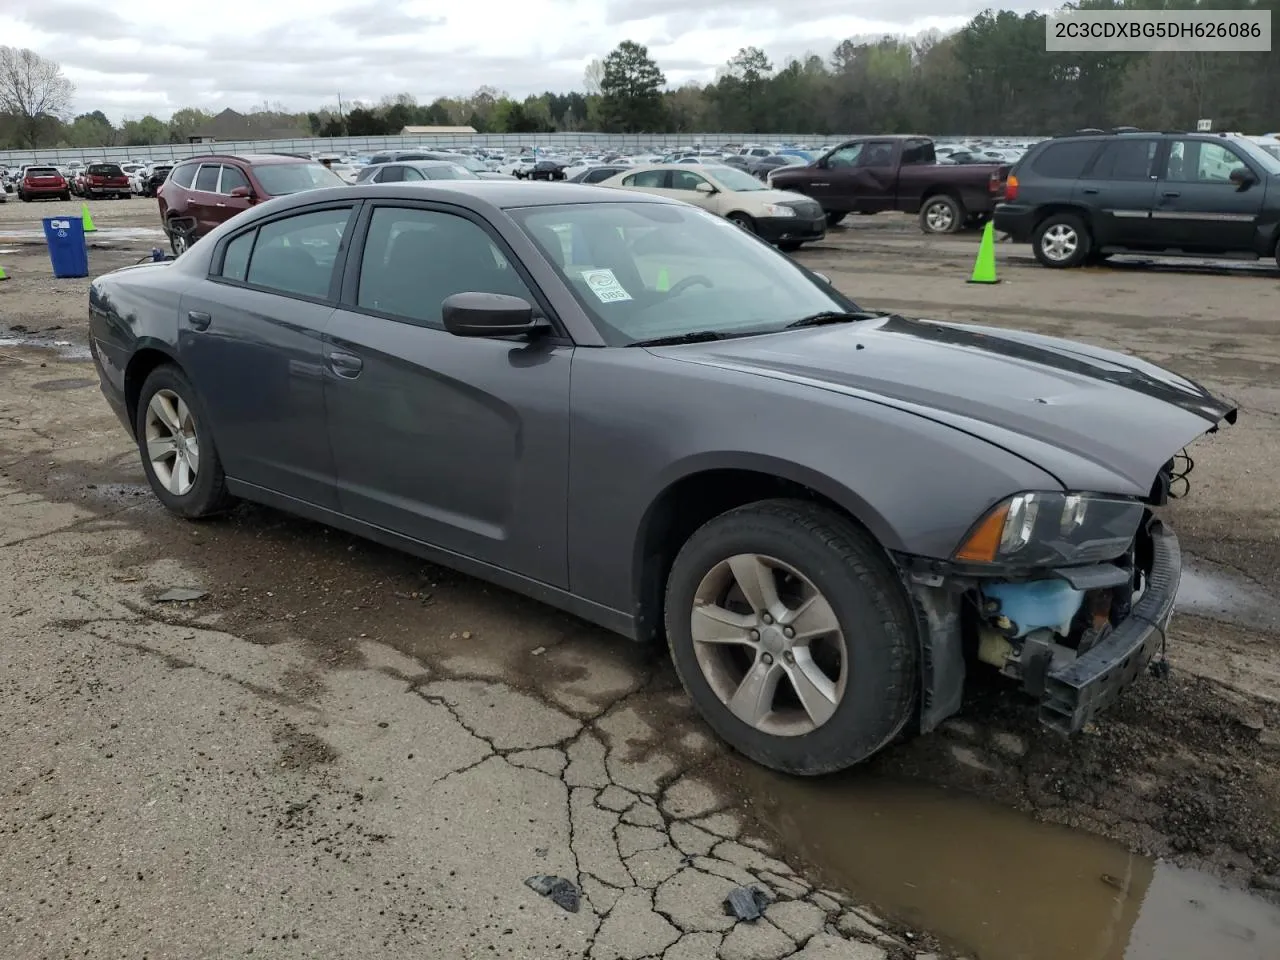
<point x="1033" y="395"/>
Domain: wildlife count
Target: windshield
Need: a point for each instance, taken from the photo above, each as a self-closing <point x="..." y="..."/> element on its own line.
<point x="1267" y="157"/>
<point x="279" y="179"/>
<point x="469" y="163"/>
<point x="731" y="178"/>
<point x="647" y="270"/>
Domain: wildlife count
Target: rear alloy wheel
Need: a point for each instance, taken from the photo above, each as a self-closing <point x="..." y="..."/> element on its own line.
<point x="793" y="636"/>
<point x="1061" y="241"/>
<point x="941" y="214"/>
<point x="178" y="455"/>
<point x="743" y="221"/>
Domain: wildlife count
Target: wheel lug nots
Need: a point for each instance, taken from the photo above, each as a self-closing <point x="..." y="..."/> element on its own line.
<point x="766" y="659"/>
<point x="788" y="632"/>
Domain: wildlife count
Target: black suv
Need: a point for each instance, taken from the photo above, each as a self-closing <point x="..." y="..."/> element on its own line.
<point x="1081" y="198"/>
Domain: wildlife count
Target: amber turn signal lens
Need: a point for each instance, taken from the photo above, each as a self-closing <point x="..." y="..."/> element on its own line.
<point x="984" y="542"/>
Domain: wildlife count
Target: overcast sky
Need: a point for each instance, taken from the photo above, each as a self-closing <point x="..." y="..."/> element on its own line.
<point x="129" y="59"/>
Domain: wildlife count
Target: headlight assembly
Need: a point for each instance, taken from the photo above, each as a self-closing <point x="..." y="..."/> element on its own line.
<point x="776" y="210"/>
<point x="1052" y="530"/>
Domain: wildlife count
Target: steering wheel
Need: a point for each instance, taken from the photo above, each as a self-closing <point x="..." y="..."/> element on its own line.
<point x="684" y="284"/>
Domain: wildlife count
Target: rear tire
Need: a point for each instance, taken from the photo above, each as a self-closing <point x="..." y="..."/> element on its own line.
<point x="941" y="214"/>
<point x="65" y="196"/>
<point x="172" y="430"/>
<point x="1061" y="241"/>
<point x="858" y="615"/>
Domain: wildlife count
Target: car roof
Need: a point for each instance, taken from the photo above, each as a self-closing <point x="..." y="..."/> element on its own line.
<point x="257" y="159"/>
<point x="482" y="196"/>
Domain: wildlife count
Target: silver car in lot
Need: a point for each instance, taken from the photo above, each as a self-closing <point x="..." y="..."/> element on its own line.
<point x="625" y="406"/>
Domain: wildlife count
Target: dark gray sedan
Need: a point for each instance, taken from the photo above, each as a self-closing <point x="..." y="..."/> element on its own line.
<point x="626" y="407"/>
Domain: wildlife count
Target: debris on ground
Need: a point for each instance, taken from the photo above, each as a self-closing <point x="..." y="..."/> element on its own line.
<point x="181" y="595"/>
<point x="746" y="903"/>
<point x="560" y="890"/>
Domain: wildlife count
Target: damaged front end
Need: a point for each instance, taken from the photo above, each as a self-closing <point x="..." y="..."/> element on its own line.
<point x="1069" y="595"/>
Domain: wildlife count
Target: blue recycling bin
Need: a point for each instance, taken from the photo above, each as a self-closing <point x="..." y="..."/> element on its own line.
<point x="67" y="250"/>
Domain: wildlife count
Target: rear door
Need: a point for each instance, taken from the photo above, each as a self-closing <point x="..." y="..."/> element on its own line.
<point x="1197" y="207"/>
<point x="250" y="339"/>
<point x="651" y="181"/>
<point x="1118" y="187"/>
<point x="203" y="199"/>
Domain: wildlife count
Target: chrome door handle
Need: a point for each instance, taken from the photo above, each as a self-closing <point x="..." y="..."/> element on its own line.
<point x="199" y="320"/>
<point x="345" y="365"/>
<point x="1170" y="195"/>
<point x="219" y="204"/>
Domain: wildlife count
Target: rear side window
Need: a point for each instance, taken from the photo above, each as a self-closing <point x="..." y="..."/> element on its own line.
<point x="1065" y="160"/>
<point x="296" y="255"/>
<point x="602" y="173"/>
<point x="646" y="178"/>
<point x="1125" y="159"/>
<point x="235" y="260"/>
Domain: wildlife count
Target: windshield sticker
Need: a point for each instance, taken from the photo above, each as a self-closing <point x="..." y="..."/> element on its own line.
<point x="605" y="286"/>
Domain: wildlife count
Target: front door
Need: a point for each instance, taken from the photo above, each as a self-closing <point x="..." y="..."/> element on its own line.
<point x="1119" y="191"/>
<point x="1198" y="206"/>
<point x="250" y="339"/>
<point x="458" y="442"/>
<point x="684" y="186"/>
<point x="832" y="170"/>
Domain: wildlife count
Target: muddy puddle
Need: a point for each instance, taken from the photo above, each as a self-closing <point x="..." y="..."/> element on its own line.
<point x="65" y="349"/>
<point x="997" y="885"/>
<point x="1219" y="593"/>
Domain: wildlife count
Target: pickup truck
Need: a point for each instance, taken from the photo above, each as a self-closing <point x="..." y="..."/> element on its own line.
<point x="873" y="174"/>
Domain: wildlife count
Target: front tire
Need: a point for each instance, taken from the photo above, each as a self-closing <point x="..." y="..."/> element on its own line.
<point x="742" y="221"/>
<point x="1061" y="241"/>
<point x="177" y="449"/>
<point x="836" y="690"/>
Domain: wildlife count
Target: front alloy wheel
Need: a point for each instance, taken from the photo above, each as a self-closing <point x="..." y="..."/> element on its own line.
<point x="793" y="636"/>
<point x="769" y="645"/>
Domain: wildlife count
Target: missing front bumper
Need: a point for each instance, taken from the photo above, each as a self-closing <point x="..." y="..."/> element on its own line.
<point x="1072" y="694"/>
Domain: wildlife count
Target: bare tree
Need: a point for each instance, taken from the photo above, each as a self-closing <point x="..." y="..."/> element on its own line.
<point x="592" y="76"/>
<point x="33" y="90"/>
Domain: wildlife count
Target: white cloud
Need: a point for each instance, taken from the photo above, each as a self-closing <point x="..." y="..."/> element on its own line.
<point x="128" y="61"/>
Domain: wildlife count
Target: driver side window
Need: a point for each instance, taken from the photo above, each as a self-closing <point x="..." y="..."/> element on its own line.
<point x="845" y="156"/>
<point x="685" y="180"/>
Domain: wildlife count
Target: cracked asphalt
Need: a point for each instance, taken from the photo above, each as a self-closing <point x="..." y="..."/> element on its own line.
<point x="182" y="781"/>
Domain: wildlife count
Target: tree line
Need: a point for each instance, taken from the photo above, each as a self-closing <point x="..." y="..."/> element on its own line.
<point x="992" y="76"/>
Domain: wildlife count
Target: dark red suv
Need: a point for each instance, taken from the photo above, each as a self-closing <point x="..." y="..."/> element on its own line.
<point x="205" y="192"/>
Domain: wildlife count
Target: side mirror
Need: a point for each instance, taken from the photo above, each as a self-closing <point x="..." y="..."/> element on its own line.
<point x="1242" y="177"/>
<point x="705" y="187"/>
<point x="242" y="193"/>
<point x="488" y="315"/>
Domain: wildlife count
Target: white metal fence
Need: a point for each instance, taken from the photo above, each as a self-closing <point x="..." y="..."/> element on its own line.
<point x="624" y="143"/>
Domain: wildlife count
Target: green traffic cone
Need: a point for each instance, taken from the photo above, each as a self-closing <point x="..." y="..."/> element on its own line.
<point x="3" y="275"/>
<point x="984" y="268"/>
<point x="86" y="219"/>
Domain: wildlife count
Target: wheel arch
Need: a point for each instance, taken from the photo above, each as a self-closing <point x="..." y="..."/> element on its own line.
<point x="1051" y="209"/>
<point x="707" y="487"/>
<point x="145" y="359"/>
